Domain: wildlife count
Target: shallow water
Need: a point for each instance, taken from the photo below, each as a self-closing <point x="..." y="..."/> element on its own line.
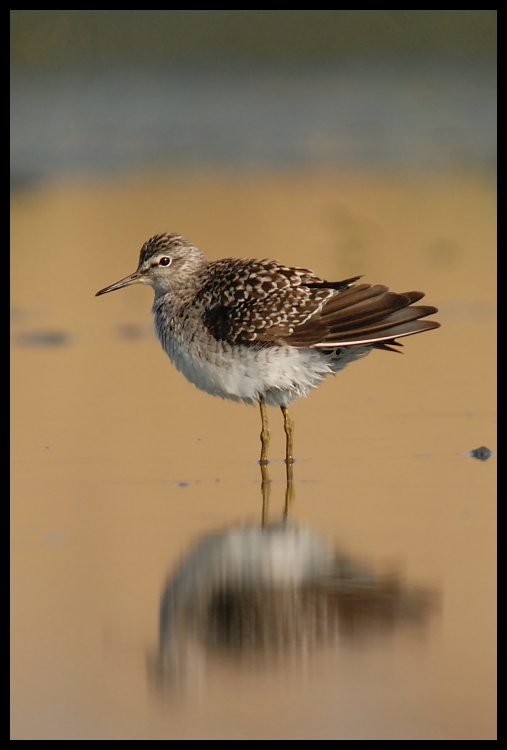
<point x="371" y="613"/>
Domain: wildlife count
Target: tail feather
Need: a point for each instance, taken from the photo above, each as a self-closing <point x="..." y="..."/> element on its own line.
<point x="363" y="315"/>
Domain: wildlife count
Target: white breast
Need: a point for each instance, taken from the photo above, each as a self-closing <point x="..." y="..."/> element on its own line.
<point x="279" y="374"/>
<point x="245" y="373"/>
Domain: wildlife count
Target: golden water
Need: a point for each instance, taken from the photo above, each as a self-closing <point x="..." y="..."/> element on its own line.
<point x="119" y="466"/>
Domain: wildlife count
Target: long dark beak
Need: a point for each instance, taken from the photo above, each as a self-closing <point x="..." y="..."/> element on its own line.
<point x="134" y="278"/>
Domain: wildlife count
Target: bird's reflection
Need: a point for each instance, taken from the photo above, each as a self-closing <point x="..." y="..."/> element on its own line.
<point x="266" y="491"/>
<point x="269" y="592"/>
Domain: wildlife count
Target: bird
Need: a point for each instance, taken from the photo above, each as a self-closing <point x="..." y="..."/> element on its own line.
<point x="264" y="333"/>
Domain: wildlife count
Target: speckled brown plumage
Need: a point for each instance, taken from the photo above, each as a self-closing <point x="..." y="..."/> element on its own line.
<point x="262" y="301"/>
<point x="247" y="301"/>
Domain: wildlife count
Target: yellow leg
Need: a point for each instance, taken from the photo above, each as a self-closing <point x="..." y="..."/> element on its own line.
<point x="265" y="480"/>
<point x="288" y="425"/>
<point x="265" y="434"/>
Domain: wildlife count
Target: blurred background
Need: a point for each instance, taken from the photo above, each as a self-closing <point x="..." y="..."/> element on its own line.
<point x="104" y="91"/>
<point x="350" y="142"/>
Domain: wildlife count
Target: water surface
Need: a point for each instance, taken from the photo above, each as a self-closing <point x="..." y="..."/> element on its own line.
<point x="381" y="625"/>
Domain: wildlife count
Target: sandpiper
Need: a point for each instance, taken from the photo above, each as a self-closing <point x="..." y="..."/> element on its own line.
<point x="260" y="332"/>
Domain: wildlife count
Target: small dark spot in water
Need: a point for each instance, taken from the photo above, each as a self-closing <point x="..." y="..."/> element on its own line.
<point x="182" y="484"/>
<point x="482" y="453"/>
<point x="43" y="338"/>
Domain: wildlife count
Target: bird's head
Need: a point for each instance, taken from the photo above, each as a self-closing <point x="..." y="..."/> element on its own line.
<point x="166" y="262"/>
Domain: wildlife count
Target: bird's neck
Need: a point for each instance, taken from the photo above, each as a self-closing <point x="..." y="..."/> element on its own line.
<point x="178" y="295"/>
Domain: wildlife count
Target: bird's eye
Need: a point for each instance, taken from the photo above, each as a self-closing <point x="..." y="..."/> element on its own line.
<point x="165" y="261"/>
